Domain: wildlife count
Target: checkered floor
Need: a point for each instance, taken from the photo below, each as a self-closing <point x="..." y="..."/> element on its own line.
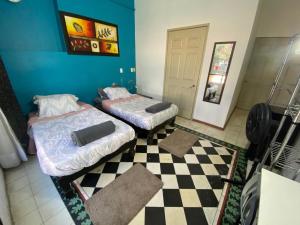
<point x="192" y="187"/>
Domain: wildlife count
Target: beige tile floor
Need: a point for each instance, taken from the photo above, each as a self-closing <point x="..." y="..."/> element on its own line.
<point x="33" y="197"/>
<point x="234" y="132"/>
<point x="35" y="201"/>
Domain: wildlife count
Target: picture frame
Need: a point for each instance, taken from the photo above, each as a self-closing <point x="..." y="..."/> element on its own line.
<point x="88" y="36"/>
<point x="218" y="71"/>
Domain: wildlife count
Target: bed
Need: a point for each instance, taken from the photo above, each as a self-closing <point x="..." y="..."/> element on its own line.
<point x="58" y="156"/>
<point x="131" y="109"/>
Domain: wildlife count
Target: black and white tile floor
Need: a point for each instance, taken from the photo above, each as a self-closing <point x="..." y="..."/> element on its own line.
<point x="192" y="186"/>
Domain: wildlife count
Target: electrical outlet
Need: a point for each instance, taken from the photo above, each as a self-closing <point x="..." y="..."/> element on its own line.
<point x="121" y="70"/>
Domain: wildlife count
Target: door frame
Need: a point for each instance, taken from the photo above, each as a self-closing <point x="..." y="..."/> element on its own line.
<point x="201" y="63"/>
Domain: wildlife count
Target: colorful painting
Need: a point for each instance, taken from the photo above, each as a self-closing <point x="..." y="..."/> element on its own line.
<point x="109" y="47"/>
<point x="80" y="45"/>
<point x="79" y="27"/>
<point x="219" y="66"/>
<point x="89" y="36"/>
<point x="106" y="32"/>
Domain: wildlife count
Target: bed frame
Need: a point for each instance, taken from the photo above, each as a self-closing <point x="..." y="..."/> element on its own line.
<point x="150" y="133"/>
<point x="65" y="181"/>
<point x="143" y="132"/>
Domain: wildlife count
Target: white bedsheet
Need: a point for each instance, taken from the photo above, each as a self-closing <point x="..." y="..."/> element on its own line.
<point x="132" y="109"/>
<point x="57" y="154"/>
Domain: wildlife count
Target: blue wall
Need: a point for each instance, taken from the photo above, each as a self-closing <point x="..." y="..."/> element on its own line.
<point x="34" y="54"/>
<point x="29" y="25"/>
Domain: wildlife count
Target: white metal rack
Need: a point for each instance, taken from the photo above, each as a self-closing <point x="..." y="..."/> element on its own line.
<point x="282" y="155"/>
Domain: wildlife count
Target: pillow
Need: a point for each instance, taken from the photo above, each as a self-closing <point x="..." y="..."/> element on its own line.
<point x="102" y="94"/>
<point x="37" y="97"/>
<point x="116" y="92"/>
<point x="55" y="105"/>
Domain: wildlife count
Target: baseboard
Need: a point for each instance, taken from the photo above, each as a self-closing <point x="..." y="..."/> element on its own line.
<point x="208" y="124"/>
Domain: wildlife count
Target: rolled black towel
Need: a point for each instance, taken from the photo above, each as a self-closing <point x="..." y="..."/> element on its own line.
<point x="158" y="107"/>
<point x="93" y="133"/>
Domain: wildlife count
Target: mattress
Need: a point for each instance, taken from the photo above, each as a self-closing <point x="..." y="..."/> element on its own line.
<point x="57" y="154"/>
<point x="132" y="109"/>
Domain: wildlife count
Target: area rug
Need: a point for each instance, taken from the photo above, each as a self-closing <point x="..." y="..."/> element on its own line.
<point x="179" y="142"/>
<point x="120" y="201"/>
<point x="192" y="193"/>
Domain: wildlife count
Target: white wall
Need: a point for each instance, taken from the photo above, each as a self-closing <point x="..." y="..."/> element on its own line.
<point x="230" y="20"/>
<point x="279" y="18"/>
<point x="247" y="58"/>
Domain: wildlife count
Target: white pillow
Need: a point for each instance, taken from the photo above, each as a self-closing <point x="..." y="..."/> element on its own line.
<point x="55" y="105"/>
<point x="116" y="92"/>
<point x="38" y="97"/>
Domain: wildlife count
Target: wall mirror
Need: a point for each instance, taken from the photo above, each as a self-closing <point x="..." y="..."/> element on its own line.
<point x="219" y="67"/>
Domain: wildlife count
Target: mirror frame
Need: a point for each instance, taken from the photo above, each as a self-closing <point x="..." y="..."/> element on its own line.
<point x="226" y="72"/>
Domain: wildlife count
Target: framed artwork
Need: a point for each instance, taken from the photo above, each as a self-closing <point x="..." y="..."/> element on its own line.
<point x="218" y="71"/>
<point x="88" y="36"/>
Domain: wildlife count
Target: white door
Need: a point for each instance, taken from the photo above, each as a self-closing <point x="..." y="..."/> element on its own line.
<point x="184" y="56"/>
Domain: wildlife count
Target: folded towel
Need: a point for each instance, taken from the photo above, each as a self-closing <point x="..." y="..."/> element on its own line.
<point x="93" y="133"/>
<point x="158" y="107"/>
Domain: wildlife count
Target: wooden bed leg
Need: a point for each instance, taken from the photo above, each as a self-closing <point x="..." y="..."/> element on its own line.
<point x="132" y="148"/>
<point x="66" y="187"/>
<point x="150" y="138"/>
<point x="172" y="123"/>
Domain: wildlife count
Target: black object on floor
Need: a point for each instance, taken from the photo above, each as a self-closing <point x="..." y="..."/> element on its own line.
<point x="260" y="129"/>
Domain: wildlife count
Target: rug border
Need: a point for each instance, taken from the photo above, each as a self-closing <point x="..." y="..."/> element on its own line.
<point x="226" y="189"/>
<point x="220" y="210"/>
<point x="222" y="205"/>
<point x="224" y="197"/>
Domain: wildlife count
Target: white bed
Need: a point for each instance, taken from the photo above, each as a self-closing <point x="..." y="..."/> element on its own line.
<point x="57" y="154"/>
<point x="132" y="109"/>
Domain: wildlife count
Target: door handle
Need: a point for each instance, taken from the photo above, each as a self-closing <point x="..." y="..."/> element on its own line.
<point x="193" y="86"/>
